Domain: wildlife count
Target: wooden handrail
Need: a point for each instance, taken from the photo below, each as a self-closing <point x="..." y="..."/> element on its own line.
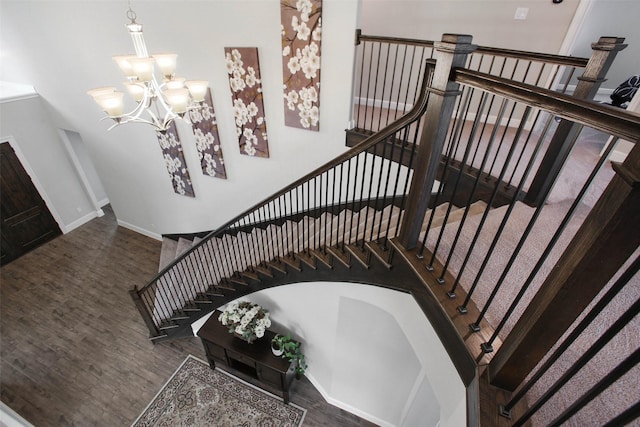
<point x="612" y="120"/>
<point x="570" y="61"/>
<point x="412" y="116"/>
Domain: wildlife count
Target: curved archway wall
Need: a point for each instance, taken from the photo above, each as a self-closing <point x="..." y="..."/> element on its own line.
<point x="371" y="351"/>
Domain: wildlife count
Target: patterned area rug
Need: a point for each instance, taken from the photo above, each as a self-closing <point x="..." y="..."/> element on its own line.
<point x="197" y="395"/>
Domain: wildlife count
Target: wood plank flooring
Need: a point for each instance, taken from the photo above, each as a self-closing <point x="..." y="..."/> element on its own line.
<point x="73" y="349"/>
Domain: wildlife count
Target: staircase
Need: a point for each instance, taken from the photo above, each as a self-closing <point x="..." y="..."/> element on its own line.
<point x="327" y="261"/>
<point x="364" y="217"/>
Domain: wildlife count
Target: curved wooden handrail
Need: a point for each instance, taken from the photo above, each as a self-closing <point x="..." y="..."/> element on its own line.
<point x="412" y="116"/>
<point x="613" y="120"/>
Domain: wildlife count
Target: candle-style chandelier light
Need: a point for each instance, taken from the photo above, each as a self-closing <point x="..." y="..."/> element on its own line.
<point x="161" y="102"/>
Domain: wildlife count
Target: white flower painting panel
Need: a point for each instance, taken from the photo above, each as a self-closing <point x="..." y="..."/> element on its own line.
<point x="174" y="160"/>
<point x="243" y="68"/>
<point x="301" y="40"/>
<point x="205" y="131"/>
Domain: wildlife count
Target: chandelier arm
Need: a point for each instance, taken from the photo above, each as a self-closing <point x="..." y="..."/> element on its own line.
<point x="153" y="92"/>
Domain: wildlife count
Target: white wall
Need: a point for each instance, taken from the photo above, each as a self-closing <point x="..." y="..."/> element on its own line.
<point x="67" y="50"/>
<point x="490" y="22"/>
<point x="26" y="123"/>
<point x="612" y="18"/>
<point x="370" y="351"/>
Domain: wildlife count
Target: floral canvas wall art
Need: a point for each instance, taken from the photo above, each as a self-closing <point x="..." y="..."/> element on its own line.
<point x="174" y="159"/>
<point x="205" y="130"/>
<point x="243" y="68"/>
<point x="301" y="40"/>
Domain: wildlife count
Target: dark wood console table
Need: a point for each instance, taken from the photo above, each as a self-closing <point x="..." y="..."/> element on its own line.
<point x="254" y="362"/>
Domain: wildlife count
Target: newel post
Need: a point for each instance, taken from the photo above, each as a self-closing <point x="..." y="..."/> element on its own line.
<point x="606" y="239"/>
<point x="604" y="52"/>
<point x="450" y="53"/>
<point x="142" y="309"/>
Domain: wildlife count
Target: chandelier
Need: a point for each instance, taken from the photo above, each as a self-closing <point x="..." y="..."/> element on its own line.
<point x="160" y="102"/>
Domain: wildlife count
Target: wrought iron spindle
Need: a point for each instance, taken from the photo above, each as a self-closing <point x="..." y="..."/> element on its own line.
<point x="609" y="295"/>
<point x="598" y="345"/>
<point x="463" y="162"/>
<point x="554" y="239"/>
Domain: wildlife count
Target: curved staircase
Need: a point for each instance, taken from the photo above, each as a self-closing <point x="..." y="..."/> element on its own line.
<point x="367" y="261"/>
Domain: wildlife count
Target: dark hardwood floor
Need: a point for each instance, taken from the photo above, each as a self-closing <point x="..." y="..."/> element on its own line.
<point x="73" y="349"/>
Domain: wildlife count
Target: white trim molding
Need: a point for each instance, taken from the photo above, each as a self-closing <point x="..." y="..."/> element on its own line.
<point x="36" y="182"/>
<point x="140" y="230"/>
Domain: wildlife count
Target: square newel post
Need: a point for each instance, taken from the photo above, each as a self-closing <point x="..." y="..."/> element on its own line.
<point x="606" y="239"/>
<point x="450" y="53"/>
<point x="604" y="52"/>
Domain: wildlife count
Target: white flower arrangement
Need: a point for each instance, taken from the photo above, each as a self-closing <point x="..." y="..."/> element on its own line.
<point x="245" y="319"/>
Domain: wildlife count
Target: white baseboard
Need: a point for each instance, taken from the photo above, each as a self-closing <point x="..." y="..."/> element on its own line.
<point x="140" y="230"/>
<point x="81" y="221"/>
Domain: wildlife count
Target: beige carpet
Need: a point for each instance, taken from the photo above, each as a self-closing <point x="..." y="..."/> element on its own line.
<point x="625" y="391"/>
<point x="197" y="395"/>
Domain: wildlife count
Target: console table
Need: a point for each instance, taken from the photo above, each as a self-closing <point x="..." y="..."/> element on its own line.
<point x="254" y="362"/>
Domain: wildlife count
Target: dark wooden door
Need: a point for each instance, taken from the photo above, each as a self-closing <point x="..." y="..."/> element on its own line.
<point x="25" y="220"/>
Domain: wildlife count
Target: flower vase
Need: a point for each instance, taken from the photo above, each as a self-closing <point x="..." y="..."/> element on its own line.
<point x="248" y="340"/>
<point x="277" y="351"/>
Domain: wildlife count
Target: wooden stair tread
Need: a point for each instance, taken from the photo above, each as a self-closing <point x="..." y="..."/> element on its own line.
<point x="340" y="255"/>
<point x="291" y="262"/>
<point x="326" y="259"/>
<point x="384" y="256"/>
<point x="363" y="257"/>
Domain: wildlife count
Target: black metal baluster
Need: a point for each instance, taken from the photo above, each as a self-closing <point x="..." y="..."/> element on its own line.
<point x="406" y="96"/>
<point x="384" y="86"/>
<point x="632" y="413"/>
<point x="399" y="83"/>
<point x="463" y="307"/>
<point x="275" y="240"/>
<point x="454" y="192"/>
<point x="364" y="173"/>
<point x="284" y="228"/>
<point x="375" y="88"/>
<point x="369" y="196"/>
<point x="347" y="215"/>
<point x="416" y="87"/>
<point x="353" y="202"/>
<point x="554" y="239"/>
<point x="504" y="133"/>
<point x="600" y="305"/>
<point x="385" y="193"/>
<point x="378" y="198"/>
<point x="598" y="345"/>
<point x="340" y="208"/>
<point x="360" y="94"/>
<point x="295" y="233"/>
<point x="393" y="80"/>
<point x="308" y="244"/>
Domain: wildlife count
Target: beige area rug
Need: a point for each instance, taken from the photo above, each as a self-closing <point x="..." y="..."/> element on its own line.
<point x="197" y="395"/>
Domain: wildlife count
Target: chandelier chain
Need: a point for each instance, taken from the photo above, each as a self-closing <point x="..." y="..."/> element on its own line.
<point x="131" y="14"/>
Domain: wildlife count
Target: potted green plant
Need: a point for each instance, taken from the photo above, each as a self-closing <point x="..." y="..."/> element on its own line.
<point x="293" y="353"/>
<point x="277" y="344"/>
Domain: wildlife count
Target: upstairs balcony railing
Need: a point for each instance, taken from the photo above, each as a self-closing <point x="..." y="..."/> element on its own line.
<point x="389" y="72"/>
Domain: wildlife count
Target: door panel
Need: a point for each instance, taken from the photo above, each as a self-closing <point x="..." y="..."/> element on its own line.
<point x="25" y="220"/>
